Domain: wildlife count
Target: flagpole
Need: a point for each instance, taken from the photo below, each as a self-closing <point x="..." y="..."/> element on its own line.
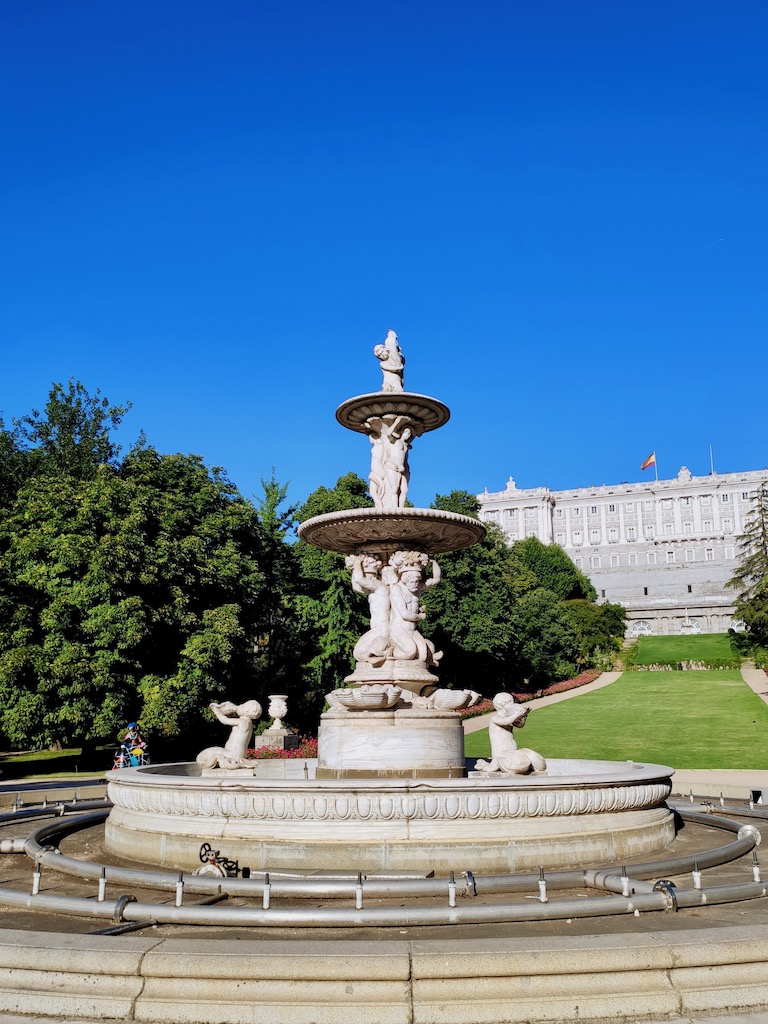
<point x="711" y="462"/>
<point x="656" y="467"/>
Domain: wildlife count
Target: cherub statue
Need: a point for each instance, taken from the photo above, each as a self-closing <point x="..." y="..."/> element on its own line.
<point x="392" y="361"/>
<point x="506" y="757"/>
<point x="240" y="718"/>
<point x="406" y="608"/>
<point x="391" y="440"/>
<point x="369" y="577"/>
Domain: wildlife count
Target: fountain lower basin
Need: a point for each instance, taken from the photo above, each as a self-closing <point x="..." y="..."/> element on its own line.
<point x="275" y="818"/>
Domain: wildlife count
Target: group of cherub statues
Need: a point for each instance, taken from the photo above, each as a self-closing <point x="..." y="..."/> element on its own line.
<point x="506" y="757"/>
<point x="394" y="590"/>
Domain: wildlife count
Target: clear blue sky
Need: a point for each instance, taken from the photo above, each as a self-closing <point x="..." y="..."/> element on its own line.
<point x="215" y="210"/>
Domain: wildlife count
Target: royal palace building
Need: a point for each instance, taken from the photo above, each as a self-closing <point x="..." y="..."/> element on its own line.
<point x="664" y="549"/>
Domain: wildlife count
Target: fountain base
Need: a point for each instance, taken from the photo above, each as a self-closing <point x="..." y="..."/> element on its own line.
<point x="274" y="818"/>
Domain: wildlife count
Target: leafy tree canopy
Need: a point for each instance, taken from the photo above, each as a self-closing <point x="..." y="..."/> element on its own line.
<point x="74" y="432"/>
<point x="751" y="577"/>
<point x="554" y="570"/>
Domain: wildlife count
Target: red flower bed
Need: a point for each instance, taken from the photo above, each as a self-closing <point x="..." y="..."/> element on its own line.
<point x="486" y="705"/>
<point x="306" y="748"/>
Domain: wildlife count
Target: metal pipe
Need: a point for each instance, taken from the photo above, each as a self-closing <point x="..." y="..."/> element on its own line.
<point x="603" y="877"/>
<point x="53" y="809"/>
<point x="12" y="845"/>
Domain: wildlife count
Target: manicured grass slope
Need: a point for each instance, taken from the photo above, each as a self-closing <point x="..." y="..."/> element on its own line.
<point x="706" y="647"/>
<point x="684" y="719"/>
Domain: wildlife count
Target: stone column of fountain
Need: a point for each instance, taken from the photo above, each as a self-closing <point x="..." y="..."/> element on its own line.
<point x="392" y="719"/>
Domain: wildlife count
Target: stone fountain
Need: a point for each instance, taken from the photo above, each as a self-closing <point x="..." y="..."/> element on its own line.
<point x="391" y="789"/>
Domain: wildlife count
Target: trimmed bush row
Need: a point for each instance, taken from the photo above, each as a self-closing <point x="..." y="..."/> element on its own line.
<point x="689" y="666"/>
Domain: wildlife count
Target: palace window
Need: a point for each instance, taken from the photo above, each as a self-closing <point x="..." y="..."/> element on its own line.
<point x="611" y="508"/>
<point x="630" y="506"/>
<point x="688" y="526"/>
<point x="594" y="536"/>
<point x="727" y="526"/>
<point x="560" y="539"/>
<point x="689" y="554"/>
<point x="669" y="528"/>
<point x="613" y="535"/>
<point x="577" y="562"/>
<point x="595" y="561"/>
<point x="709" y="554"/>
<point x="727" y="552"/>
<point x="577" y="537"/>
<point x="726" y="498"/>
<point x="631" y="533"/>
<point x="558" y="513"/>
<point x="593" y="510"/>
<point x="649" y="533"/>
<point x="686" y="502"/>
<point x="706" y="525"/>
<point x="745" y="495"/>
<point x="614" y="561"/>
<point x="670" y="556"/>
<point x="650" y="558"/>
<point x="632" y="558"/>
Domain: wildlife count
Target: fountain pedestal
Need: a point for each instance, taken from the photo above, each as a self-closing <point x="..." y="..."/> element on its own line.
<point x="391" y="744"/>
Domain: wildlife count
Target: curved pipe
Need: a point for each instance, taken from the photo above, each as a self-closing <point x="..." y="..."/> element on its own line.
<point x="125" y="909"/>
<point x="52" y="809"/>
<point x="341" y="888"/>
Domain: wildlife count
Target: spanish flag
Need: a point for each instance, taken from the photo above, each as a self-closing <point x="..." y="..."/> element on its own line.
<point x="650" y="461"/>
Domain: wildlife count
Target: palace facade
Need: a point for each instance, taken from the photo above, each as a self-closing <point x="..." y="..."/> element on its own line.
<point x="664" y="549"/>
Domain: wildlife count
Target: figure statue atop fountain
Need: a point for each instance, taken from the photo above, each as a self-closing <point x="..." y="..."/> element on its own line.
<point x="392" y="360"/>
<point x="371" y="578"/>
<point x="391" y="439"/>
<point x="406" y="608"/>
<point x="240" y="718"/>
<point x="506" y="757"/>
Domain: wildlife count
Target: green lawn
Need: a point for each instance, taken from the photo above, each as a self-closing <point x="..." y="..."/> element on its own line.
<point x="56" y="763"/>
<point x="705" y="647"/>
<point x="684" y="719"/>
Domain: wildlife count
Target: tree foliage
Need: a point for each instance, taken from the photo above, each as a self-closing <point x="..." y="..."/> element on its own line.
<point x="128" y="589"/>
<point x="751" y="576"/>
<point x="554" y="570"/>
<point x="504" y="614"/>
<point x="331" y="616"/>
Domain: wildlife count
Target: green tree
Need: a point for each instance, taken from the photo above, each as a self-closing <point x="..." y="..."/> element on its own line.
<point x="548" y="645"/>
<point x="331" y="616"/>
<point x="751" y="576"/>
<point x="127" y="590"/>
<point x="280" y="646"/>
<point x="599" y="630"/>
<point x="554" y="570"/>
<point x="471" y="613"/>
<point x="73" y="433"/>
